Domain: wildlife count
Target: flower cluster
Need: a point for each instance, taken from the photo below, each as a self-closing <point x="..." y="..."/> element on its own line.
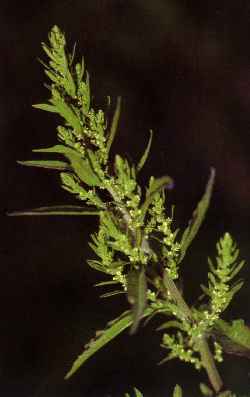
<point x="177" y="349"/>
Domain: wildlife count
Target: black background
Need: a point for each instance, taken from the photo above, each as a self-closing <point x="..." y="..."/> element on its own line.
<point x="183" y="69"/>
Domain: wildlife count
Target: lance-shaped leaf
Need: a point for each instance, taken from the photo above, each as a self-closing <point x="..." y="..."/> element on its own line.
<point x="177" y="391"/>
<point x="137" y="295"/>
<point x="80" y="165"/>
<point x="234" y="338"/>
<point x="57" y="210"/>
<point x="46" y="107"/>
<point x="206" y="391"/>
<point x="197" y="218"/>
<point x="155" y="186"/>
<point x="111" y="293"/>
<point x="68" y="114"/>
<point x="145" y="154"/>
<point x="51" y="164"/>
<point x="114" y="124"/>
<point x="137" y="393"/>
<point x="113" y="329"/>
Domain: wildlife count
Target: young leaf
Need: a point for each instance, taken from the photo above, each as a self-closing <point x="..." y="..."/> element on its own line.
<point x="111" y="293"/>
<point x="198" y="217"/>
<point x="145" y="154"/>
<point x="137" y="295"/>
<point x="114" y="124"/>
<point x="137" y="393"/>
<point x="114" y="328"/>
<point x="51" y="164"/>
<point x="104" y="283"/>
<point x="46" y="107"/>
<point x="57" y="210"/>
<point x="156" y="185"/>
<point x="170" y="324"/>
<point x="177" y="391"/>
<point x="206" y="391"/>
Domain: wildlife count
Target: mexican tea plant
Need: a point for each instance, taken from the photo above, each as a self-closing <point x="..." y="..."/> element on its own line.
<point x="137" y="247"/>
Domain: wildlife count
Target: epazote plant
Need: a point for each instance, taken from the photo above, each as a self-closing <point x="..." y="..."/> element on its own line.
<point x="137" y="246"/>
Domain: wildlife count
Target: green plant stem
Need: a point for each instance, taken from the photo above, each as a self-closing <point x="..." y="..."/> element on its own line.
<point x="177" y="297"/>
<point x="209" y="364"/>
<point x="201" y="344"/>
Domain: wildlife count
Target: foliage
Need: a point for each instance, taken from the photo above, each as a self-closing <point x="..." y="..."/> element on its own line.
<point x="137" y="246"/>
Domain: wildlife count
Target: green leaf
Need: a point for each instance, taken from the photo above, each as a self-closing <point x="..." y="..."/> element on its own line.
<point x="156" y="185"/>
<point x="206" y="391"/>
<point x="114" y="328"/>
<point x="46" y="107"/>
<point x="104" y="283"/>
<point x="177" y="391"/>
<point x="137" y="393"/>
<point x="145" y="154"/>
<point x="62" y="149"/>
<point x="234" y="338"/>
<point x="170" y="324"/>
<point x="80" y="165"/>
<point x="51" y="164"/>
<point x="67" y="113"/>
<point x="197" y="218"/>
<point x="114" y="124"/>
<point x="111" y="293"/>
<point x="67" y="210"/>
<point x="137" y="295"/>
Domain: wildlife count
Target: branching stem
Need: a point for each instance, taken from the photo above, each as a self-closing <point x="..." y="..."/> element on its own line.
<point x="201" y="344"/>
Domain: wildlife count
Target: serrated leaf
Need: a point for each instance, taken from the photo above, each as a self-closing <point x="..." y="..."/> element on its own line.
<point x="114" y="124"/>
<point x="114" y="328"/>
<point x="145" y="154"/>
<point x="197" y="218"/>
<point x="80" y="165"/>
<point x="51" y="164"/>
<point x="137" y="295"/>
<point x="65" y="210"/>
<point x="177" y="391"/>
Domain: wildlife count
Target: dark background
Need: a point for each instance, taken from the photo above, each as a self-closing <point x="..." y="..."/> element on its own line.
<point x="183" y="69"/>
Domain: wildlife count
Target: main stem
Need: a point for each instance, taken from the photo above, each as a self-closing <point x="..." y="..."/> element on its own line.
<point x="202" y="345"/>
